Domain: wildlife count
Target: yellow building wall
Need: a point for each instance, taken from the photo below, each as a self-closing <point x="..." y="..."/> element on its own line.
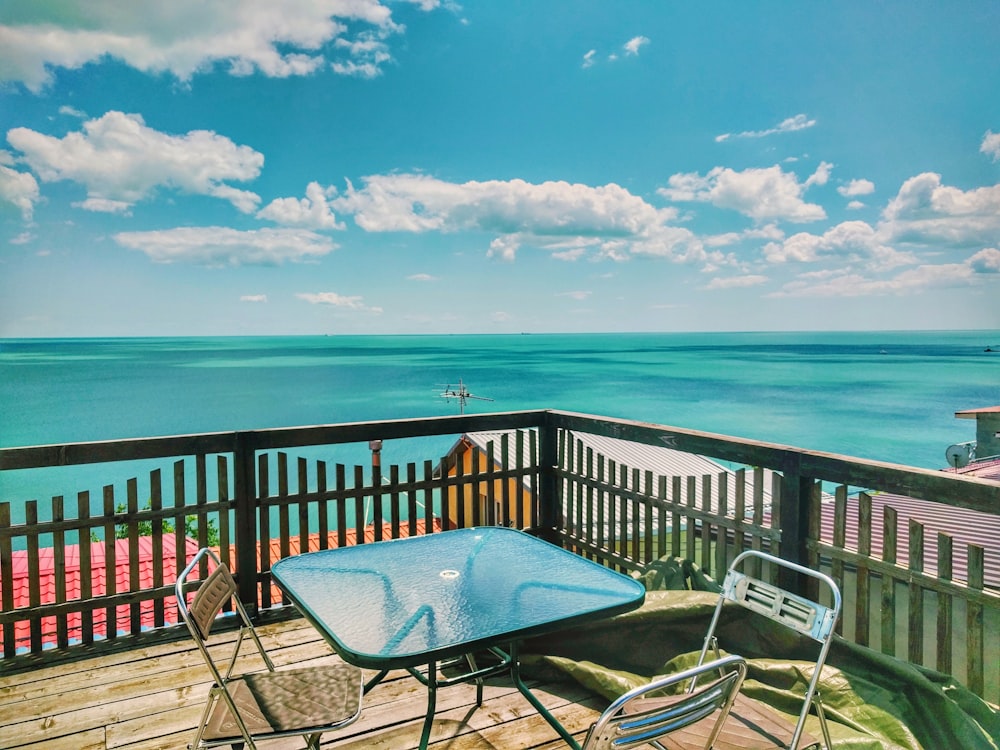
<point x="476" y="507"/>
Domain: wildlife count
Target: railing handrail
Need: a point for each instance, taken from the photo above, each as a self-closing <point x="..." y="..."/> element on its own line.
<point x="926" y="484"/>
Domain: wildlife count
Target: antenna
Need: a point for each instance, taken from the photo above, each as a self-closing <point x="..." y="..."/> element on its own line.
<point x="462" y="394"/>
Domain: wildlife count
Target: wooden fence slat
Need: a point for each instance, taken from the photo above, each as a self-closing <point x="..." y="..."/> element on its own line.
<point x="132" y="529"/>
<point x="156" y="532"/>
<point x="284" y="521"/>
<point x="944" y="605"/>
<point x="86" y="574"/>
<point x="7" y="581"/>
<point x="915" y="640"/>
<point x="863" y="596"/>
<point x="721" y="537"/>
<point x="263" y="492"/>
<point x="34" y="589"/>
<point x="323" y="508"/>
<point x="429" y="498"/>
<point x="302" y="475"/>
<point x="340" y="485"/>
<point x="888" y="634"/>
<point x="110" y="562"/>
<point x="974" y="622"/>
<point x="740" y="511"/>
<point x="222" y="479"/>
<point x="59" y="569"/>
<point x="394" y="507"/>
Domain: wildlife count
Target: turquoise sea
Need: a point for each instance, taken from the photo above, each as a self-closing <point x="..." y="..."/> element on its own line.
<point x="883" y="395"/>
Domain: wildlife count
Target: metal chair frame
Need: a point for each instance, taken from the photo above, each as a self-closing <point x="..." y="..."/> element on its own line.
<point x="215" y="592"/>
<point x="803" y="615"/>
<point x="637" y="719"/>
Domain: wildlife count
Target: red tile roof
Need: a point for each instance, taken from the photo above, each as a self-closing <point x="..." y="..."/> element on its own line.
<point x="47" y="593"/>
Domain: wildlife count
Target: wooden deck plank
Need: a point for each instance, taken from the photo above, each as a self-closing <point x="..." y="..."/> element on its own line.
<point x="151" y="699"/>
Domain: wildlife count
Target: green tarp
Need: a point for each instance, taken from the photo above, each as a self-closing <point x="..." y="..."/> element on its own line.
<point x="872" y="701"/>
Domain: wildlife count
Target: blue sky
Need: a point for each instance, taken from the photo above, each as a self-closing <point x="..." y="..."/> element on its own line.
<point x="178" y="167"/>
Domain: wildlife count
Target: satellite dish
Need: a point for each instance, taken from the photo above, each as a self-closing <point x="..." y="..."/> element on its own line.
<point x="958" y="455"/>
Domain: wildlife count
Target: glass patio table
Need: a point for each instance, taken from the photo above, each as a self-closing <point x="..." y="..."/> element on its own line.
<point x="422" y="602"/>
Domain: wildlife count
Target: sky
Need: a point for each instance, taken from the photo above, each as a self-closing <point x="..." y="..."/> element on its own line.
<point x="278" y="167"/>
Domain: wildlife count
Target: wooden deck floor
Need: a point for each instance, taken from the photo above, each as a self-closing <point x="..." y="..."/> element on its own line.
<point x="152" y="698"/>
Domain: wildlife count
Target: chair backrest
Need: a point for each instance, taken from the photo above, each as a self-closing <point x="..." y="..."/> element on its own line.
<point x="637" y="718"/>
<point x="215" y="592"/>
<point x="801" y="614"/>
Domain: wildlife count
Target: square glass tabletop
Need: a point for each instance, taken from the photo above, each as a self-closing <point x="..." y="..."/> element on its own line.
<point x="411" y="601"/>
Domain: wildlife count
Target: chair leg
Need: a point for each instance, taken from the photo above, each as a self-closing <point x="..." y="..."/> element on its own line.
<point x="822" y="720"/>
<point x="213" y="696"/>
<point x="312" y="740"/>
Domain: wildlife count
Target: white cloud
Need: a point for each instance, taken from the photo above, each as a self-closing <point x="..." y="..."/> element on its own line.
<point x="926" y="212"/>
<point x="632" y="46"/>
<point x="573" y="254"/>
<point x="22" y="239"/>
<point x="422" y="277"/>
<point x="578" y="295"/>
<point x="184" y="37"/>
<point x="501" y="317"/>
<point x="121" y="161"/>
<point x="548" y="214"/>
<point x="855" y="205"/>
<point x="766" y="232"/>
<point x="311" y="212"/>
<point x="821" y="176"/>
<point x="977" y="269"/>
<point x="736" y="282"/>
<point x="72" y="112"/>
<point x="505" y="248"/>
<point x="857" y="187"/>
<point x="789" y="125"/>
<point x="333" y="299"/>
<point x="588" y="59"/>
<point x="986" y="261"/>
<point x="20" y="189"/>
<point x="253" y="298"/>
<point x="762" y="194"/>
<point x="991" y="145"/>
<point x="223" y="246"/>
<point x="851" y="241"/>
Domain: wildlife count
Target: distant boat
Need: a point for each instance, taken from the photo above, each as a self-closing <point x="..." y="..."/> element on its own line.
<point x="987" y="349"/>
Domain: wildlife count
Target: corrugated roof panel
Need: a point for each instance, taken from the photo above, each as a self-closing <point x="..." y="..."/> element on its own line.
<point x="963" y="525"/>
<point x="661" y="461"/>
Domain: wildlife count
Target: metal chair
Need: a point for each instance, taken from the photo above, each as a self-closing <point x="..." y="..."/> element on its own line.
<point x="751" y="724"/>
<point x="692" y="719"/>
<point x="266" y="703"/>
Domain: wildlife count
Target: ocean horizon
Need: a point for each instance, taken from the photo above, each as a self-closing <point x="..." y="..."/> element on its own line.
<point x="883" y="395"/>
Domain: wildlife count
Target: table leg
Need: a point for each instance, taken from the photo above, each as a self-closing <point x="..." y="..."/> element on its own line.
<point x="515" y="673"/>
<point x="375" y="680"/>
<point x="425" y="735"/>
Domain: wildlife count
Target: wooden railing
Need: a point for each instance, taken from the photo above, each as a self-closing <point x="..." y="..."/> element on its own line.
<point x="77" y="576"/>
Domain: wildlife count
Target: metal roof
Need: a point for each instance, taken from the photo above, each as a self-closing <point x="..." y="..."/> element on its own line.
<point x="661" y="461"/>
<point x="963" y="525"/>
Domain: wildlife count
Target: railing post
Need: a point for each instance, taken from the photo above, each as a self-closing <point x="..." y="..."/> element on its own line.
<point x="549" y="508"/>
<point x="793" y="520"/>
<point x="245" y="505"/>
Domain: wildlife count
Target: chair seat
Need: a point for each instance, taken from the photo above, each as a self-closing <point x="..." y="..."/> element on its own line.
<point x="290" y="701"/>
<point x="750" y="726"/>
